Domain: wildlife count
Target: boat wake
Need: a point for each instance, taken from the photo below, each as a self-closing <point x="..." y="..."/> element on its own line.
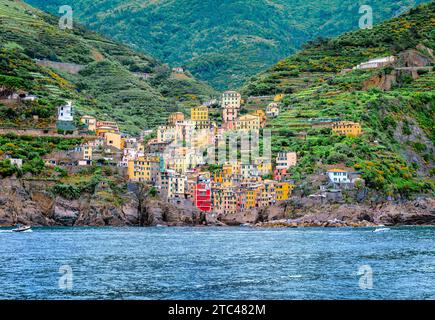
<point x="11" y="231"/>
<point x="381" y="230"/>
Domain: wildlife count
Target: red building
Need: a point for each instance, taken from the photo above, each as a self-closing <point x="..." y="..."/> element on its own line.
<point x="202" y="195"/>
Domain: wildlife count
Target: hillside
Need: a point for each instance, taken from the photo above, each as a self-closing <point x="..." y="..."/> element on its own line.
<point x="223" y="42"/>
<point x="103" y="77"/>
<point x="394" y="105"/>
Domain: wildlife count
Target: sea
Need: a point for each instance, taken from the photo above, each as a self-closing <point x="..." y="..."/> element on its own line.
<point x="221" y="263"/>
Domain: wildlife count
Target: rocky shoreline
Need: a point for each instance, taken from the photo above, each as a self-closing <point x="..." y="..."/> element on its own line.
<point x="30" y="203"/>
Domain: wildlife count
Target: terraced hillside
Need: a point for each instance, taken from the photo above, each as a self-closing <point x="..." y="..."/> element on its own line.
<point x="223" y="41"/>
<point x="395" y="153"/>
<point x="323" y="58"/>
<point x="114" y="82"/>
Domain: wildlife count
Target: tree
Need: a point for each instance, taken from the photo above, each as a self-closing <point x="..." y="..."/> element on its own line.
<point x="9" y="85"/>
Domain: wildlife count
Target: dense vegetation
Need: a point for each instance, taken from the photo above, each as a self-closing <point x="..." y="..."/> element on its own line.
<point x="108" y="85"/>
<point x="395" y="154"/>
<point x="30" y="150"/>
<point x="223" y="41"/>
<point x="323" y="58"/>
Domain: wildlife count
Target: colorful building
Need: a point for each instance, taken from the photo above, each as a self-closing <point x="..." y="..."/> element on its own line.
<point x="251" y="197"/>
<point x="87" y="152"/>
<point x="145" y="169"/>
<point x="104" y="127"/>
<point x="199" y="114"/>
<point x="285" y="160"/>
<point x="229" y="117"/>
<point x="173" y="185"/>
<point x="90" y="122"/>
<point x="114" y="140"/>
<point x="175" y="117"/>
<point x="347" y="128"/>
<point x="283" y="191"/>
<point x="264" y="166"/>
<point x="278" y="97"/>
<point x="202" y="194"/>
<point x="267" y="194"/>
<point x="262" y="115"/>
<point x="248" y="122"/>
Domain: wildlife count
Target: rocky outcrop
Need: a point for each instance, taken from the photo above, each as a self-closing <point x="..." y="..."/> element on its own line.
<point x="383" y="82"/>
<point x="29" y="202"/>
<point x="418" y="212"/>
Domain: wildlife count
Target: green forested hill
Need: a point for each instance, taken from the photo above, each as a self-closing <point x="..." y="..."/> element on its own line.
<point x="323" y="58"/>
<point x="395" y="154"/>
<point x="223" y="41"/>
<point x="108" y="84"/>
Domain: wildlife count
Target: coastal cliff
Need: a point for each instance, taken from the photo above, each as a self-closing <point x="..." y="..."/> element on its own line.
<point x="30" y="202"/>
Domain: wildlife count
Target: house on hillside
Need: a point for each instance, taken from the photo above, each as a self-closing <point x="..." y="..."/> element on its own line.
<point x="347" y="128"/>
<point x="376" y="63"/>
<point x="16" y="162"/>
<point x="343" y="177"/>
<point x="22" y="96"/>
<point x="90" y="122"/>
<point x="262" y="115"/>
<point x="65" y="112"/>
<point x="178" y="70"/>
<point x="248" y="122"/>
<point x="272" y="110"/>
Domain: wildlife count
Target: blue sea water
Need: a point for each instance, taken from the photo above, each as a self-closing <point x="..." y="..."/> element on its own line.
<point x="217" y="263"/>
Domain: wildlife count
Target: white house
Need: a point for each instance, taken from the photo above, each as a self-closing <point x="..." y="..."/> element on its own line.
<point x="231" y="100"/>
<point x="376" y="63"/>
<point x="30" y="97"/>
<point x="65" y="113"/>
<point x="272" y="110"/>
<point x="16" y="162"/>
<point x="344" y="176"/>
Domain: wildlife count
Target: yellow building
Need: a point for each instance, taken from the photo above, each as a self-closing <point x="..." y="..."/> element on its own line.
<point x="251" y="198"/>
<point x="218" y="177"/>
<point x="283" y="190"/>
<point x="114" y="140"/>
<point x="227" y="170"/>
<point x="278" y="97"/>
<point x="262" y="115"/>
<point x="87" y="152"/>
<point x="199" y="114"/>
<point x="144" y="169"/>
<point x="347" y="128"/>
<point x="248" y="122"/>
<point x="264" y="167"/>
<point x="267" y="193"/>
<point x="90" y="122"/>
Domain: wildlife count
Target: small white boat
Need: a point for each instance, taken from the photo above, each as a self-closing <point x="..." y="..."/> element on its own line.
<point x="22" y="229"/>
<point x="378" y="230"/>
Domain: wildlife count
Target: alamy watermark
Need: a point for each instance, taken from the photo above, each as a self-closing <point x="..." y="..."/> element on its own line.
<point x="66" y="278"/>
<point x="66" y="20"/>
<point x="366" y="277"/>
<point x="366" y="20"/>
